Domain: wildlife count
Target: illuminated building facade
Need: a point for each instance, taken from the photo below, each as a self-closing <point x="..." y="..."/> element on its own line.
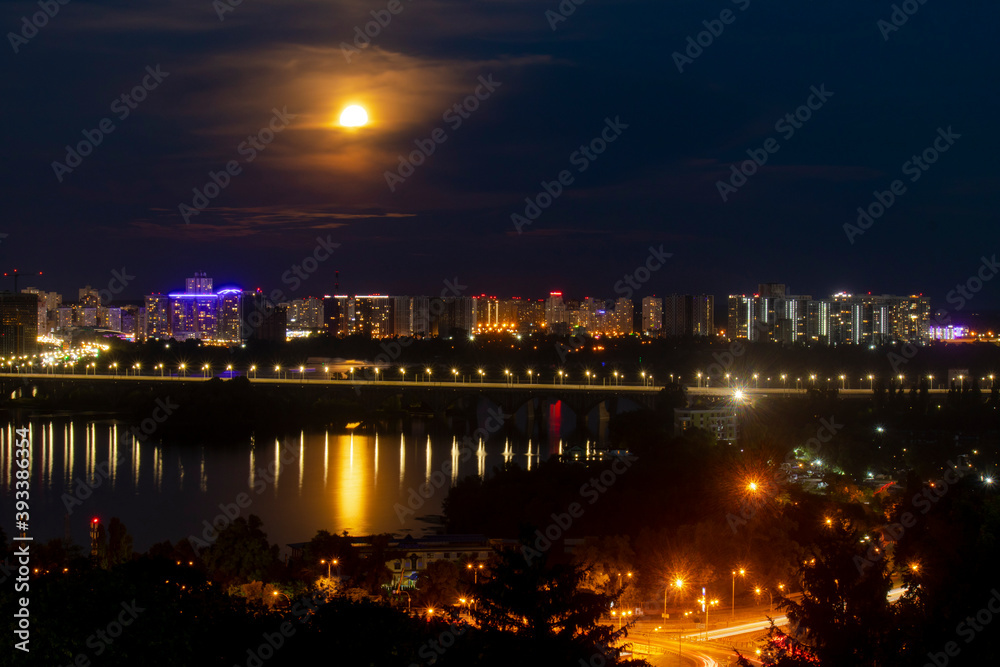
<point x="198" y="313"/>
<point x="18" y="324"/>
<point x="723" y="423"/>
<point x="89" y="297"/>
<point x="652" y="315"/>
<point x="556" y="317"/>
<point x="374" y="316"/>
<point x="305" y="314"/>
<point x="689" y="315"/>
<point x="229" y="320"/>
<point x="487" y="313"/>
<point x="863" y="319"/>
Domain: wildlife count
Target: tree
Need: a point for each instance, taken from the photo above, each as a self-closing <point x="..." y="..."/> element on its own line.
<point x="328" y="547"/>
<point x="241" y="552"/>
<point x="843" y="617"/>
<point x="533" y="608"/>
<point x="781" y="650"/>
<point x="438" y="585"/>
<point x="373" y="574"/>
<point x="119" y="543"/>
<point x="600" y="558"/>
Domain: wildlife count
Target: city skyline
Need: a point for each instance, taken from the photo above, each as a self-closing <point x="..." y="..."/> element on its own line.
<point x="232" y="315"/>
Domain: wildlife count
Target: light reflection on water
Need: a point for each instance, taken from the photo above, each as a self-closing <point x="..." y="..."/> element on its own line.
<point x="310" y="481"/>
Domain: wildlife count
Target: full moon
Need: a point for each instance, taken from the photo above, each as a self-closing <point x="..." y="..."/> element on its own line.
<point x="353" y="116"/>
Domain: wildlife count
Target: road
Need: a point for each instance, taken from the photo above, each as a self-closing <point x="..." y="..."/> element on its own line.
<point x="318" y="379"/>
<point x="695" y="651"/>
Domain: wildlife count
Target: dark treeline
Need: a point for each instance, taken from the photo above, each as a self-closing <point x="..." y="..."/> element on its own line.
<point x="235" y="603"/>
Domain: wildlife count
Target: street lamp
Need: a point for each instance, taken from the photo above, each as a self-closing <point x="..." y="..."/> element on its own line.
<point x="253" y="369"/>
<point x="481" y="374"/>
<point x="699" y="379"/>
<point x="402" y="374"/>
<point x="843" y="382"/>
<point x="561" y="374"/>
<point x="475" y="576"/>
<point x="871" y="382"/>
<point x="706" y="605"/>
<point x="756" y="384"/>
<point x="679" y="585"/>
<point x="529" y="376"/>
<point x="627" y="574"/>
<point x="454" y="372"/>
<point x="742" y="573"/>
<point x="931" y="378"/>
<point x="182" y="368"/>
<point x="428" y="374"/>
<point x="328" y="563"/>
<point x="204" y="369"/>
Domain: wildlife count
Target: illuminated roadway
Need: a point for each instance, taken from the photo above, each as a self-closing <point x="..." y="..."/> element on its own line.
<point x="611" y="388"/>
<point x="695" y="651"/>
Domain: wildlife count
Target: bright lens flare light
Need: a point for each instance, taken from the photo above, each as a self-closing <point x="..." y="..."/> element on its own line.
<point x="353" y="116"/>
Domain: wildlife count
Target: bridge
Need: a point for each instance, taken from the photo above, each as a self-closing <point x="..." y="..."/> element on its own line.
<point x="429" y="396"/>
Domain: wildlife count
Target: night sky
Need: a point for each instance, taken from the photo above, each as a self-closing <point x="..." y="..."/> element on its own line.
<point x="554" y="90"/>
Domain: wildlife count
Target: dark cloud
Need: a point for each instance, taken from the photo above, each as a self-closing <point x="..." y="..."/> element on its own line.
<point x="657" y="182"/>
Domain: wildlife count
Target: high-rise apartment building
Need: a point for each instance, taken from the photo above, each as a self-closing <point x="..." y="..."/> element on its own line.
<point x="689" y="315"/>
<point x="773" y="315"/>
<point x="305" y="314"/>
<point x="556" y="315"/>
<point x="89" y="297"/>
<point x="487" y="313"/>
<point x="18" y="324"/>
<point x="652" y="315"/>
<point x="622" y="318"/>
